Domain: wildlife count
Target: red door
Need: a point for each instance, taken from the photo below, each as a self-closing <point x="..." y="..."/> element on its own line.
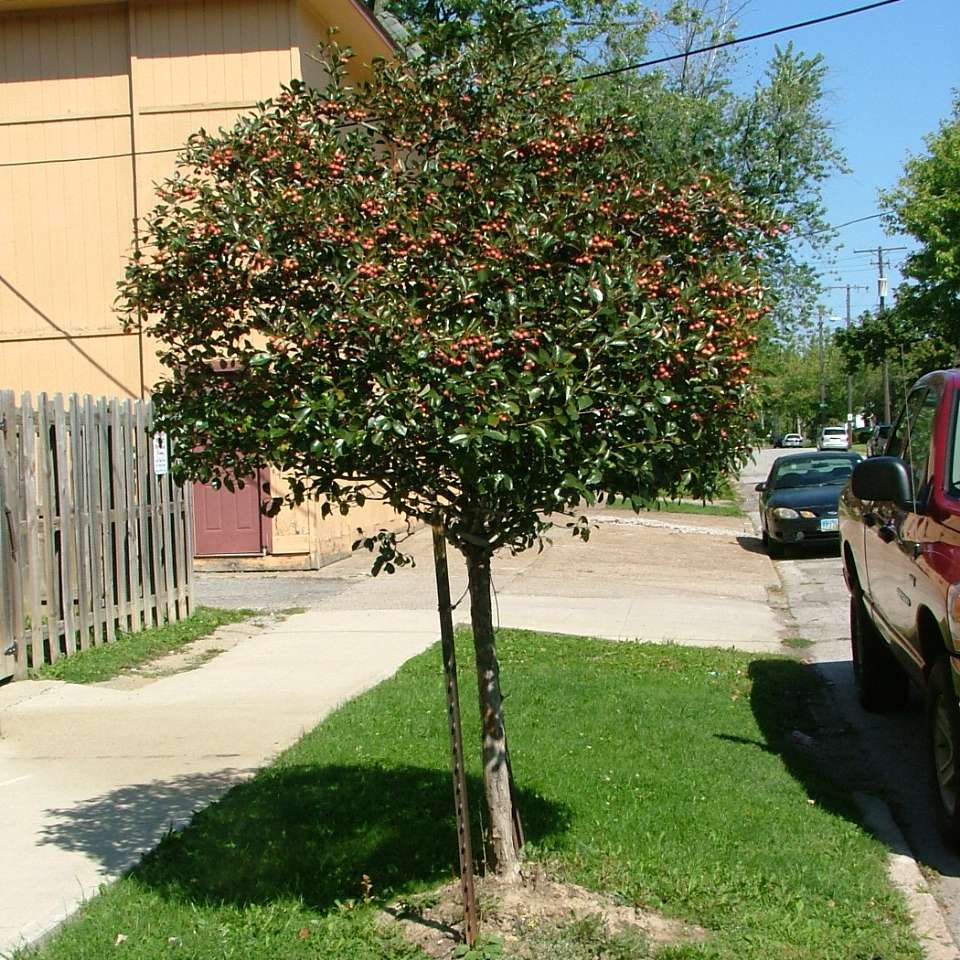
<point x="230" y="523"/>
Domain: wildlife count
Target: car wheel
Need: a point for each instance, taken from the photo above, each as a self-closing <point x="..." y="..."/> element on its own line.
<point x="776" y="549"/>
<point x="882" y="684"/>
<point x="943" y="726"/>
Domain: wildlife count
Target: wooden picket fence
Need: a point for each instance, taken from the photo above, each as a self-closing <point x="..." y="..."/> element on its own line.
<point x="93" y="542"/>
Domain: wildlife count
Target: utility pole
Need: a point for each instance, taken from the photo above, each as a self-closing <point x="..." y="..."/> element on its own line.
<point x="882" y="296"/>
<point x="823" y="386"/>
<point x="848" y="287"/>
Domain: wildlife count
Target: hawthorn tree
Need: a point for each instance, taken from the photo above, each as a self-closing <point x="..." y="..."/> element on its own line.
<point x="446" y="289"/>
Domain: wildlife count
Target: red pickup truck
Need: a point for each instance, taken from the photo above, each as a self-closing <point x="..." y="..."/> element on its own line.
<point x="900" y="544"/>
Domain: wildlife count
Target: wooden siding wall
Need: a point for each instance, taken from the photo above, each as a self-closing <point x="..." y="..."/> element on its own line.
<point x="94" y="104"/>
<point x="311" y="31"/>
<point x="201" y="63"/>
<point x="92" y="540"/>
<point x="95" y="101"/>
<point x="66" y="220"/>
<point x="303" y="530"/>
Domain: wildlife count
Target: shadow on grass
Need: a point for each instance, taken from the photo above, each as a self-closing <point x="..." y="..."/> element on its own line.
<point x="303" y="832"/>
<point x="785" y="697"/>
<point x="883" y="758"/>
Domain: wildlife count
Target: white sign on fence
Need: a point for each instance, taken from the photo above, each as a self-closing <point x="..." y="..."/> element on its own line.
<point x="160" y="459"/>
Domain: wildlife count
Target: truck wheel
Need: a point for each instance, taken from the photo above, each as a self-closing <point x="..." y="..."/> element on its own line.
<point x="882" y="684"/>
<point x="943" y="726"/>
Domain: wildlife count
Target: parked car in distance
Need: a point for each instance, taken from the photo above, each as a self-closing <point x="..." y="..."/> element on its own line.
<point x="899" y="519"/>
<point x="834" y="438"/>
<point x="798" y="500"/>
<point x="791" y="440"/>
<point x="877" y="443"/>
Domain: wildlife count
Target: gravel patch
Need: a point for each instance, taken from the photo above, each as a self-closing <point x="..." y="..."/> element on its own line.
<point x="265" y="591"/>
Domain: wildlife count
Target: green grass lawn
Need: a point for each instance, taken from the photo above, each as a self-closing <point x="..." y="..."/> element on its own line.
<point x="664" y="775"/>
<point x="714" y="509"/>
<point x="727" y="504"/>
<point x="134" y="649"/>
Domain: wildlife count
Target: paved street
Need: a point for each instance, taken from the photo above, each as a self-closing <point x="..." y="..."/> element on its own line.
<point x="887" y="754"/>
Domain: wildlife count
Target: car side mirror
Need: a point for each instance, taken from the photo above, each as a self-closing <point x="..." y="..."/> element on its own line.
<point x="760" y="487"/>
<point x="883" y="478"/>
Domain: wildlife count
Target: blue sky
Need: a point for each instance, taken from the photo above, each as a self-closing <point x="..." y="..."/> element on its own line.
<point x="891" y="73"/>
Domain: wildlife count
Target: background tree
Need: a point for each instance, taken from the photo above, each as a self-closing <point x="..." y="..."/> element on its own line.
<point x="773" y="141"/>
<point x="895" y="337"/>
<point x="451" y="290"/>
<point x="791" y="399"/>
<point x="926" y="205"/>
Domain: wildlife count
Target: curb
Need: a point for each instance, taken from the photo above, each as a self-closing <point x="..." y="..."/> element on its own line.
<point x="931" y="929"/>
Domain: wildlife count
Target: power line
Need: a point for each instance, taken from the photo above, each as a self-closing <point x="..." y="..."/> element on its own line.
<point x="837" y="226"/>
<point x="735" y="41"/>
<point x="103" y="156"/>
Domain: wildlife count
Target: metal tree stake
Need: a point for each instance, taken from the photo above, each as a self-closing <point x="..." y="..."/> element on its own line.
<point x="471" y="922"/>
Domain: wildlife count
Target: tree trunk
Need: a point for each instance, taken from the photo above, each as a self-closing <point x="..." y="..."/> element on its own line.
<point x="496" y="765"/>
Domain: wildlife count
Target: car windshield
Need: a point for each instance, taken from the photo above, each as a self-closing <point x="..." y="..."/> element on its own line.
<point x="812" y="473"/>
<point x="836" y="432"/>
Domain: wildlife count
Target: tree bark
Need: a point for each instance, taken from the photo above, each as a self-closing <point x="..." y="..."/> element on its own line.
<point x="496" y="765"/>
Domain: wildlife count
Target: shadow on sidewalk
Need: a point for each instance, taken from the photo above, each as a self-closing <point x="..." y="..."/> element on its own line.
<point x="309" y="833"/>
<point x="118" y="828"/>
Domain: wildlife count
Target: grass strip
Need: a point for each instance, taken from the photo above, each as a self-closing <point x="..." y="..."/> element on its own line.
<point x="716" y="508"/>
<point x="726" y="504"/>
<point x="664" y="775"/>
<point x="130" y="650"/>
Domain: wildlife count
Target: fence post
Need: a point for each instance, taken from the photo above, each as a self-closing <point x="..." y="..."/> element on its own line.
<point x="13" y="647"/>
<point x="31" y="530"/>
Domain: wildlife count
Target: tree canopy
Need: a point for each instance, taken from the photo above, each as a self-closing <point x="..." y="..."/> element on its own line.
<point x="451" y="289"/>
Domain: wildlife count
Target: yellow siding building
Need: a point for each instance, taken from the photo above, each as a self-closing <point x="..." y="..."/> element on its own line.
<point x="95" y="101"/>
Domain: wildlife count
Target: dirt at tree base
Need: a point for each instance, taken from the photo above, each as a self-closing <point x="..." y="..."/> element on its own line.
<point x="529" y="915"/>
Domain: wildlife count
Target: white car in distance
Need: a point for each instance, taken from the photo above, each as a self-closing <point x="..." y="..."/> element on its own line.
<point x="834" y="438"/>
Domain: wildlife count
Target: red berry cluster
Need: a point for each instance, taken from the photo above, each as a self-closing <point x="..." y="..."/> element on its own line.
<point x="478" y="349"/>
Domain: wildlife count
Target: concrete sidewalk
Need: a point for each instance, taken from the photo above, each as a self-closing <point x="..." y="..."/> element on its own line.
<point x="91" y="777"/>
